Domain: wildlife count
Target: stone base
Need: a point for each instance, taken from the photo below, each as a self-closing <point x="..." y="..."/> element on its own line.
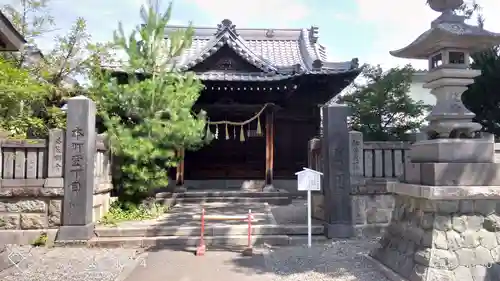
<point x="339" y="230"/>
<point x="453" y="174"/>
<point x="75" y="232"/>
<point x="445" y="240"/>
<point x="453" y="150"/>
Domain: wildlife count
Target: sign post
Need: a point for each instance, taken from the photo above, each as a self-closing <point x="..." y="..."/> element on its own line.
<point x="309" y="180"/>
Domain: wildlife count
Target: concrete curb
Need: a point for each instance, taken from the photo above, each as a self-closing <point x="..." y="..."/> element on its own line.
<point x="213" y="230"/>
<point x="213" y="241"/>
<point x="387" y="272"/>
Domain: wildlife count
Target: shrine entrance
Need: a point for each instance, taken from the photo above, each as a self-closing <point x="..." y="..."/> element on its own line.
<point x="240" y="147"/>
<point x="269" y="79"/>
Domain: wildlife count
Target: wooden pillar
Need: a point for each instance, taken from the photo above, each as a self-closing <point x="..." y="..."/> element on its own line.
<point x="179" y="177"/>
<point x="269" y="146"/>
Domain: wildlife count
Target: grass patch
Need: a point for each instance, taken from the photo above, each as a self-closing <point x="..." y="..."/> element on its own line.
<point x="41" y="240"/>
<point x="119" y="212"/>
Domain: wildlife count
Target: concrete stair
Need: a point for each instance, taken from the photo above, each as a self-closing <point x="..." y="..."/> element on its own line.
<point x="179" y="227"/>
<point x="215" y="235"/>
<point x="274" y="198"/>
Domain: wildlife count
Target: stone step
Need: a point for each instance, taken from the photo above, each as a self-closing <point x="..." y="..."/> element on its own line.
<point x="211" y="241"/>
<point x="217" y="193"/>
<point x="210" y="230"/>
<point x="271" y="200"/>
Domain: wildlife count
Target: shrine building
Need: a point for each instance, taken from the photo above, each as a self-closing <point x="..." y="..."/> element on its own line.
<point x="263" y="92"/>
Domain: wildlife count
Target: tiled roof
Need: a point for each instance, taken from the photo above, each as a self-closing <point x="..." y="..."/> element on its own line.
<point x="278" y="53"/>
<point x="10" y="37"/>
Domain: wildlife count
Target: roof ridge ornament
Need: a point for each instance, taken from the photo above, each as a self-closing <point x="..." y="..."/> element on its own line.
<point x="314" y="34"/>
<point x="447" y="9"/>
<point x="445" y="6"/>
<point x="226" y="25"/>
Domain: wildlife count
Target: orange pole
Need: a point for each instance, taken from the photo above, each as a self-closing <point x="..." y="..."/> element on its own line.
<point x="248" y="251"/>
<point x="249" y="228"/>
<point x="200" y="250"/>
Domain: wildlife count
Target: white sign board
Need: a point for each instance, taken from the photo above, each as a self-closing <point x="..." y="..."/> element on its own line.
<point x="309" y="180"/>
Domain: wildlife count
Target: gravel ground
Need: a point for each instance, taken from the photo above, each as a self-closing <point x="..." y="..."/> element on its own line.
<point x="342" y="260"/>
<point x="70" y="264"/>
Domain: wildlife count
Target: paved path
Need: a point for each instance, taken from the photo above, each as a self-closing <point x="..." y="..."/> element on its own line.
<point x="26" y="263"/>
<point x="337" y="261"/>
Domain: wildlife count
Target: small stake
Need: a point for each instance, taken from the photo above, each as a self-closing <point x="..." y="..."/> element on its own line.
<point x="201" y="249"/>
<point x="248" y="251"/>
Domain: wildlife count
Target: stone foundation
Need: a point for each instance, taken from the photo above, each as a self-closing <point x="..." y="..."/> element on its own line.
<point x="445" y="240"/>
<point x="26" y="212"/>
<point x="371" y="213"/>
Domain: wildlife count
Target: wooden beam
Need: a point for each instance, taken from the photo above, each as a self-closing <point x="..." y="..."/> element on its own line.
<point x="230" y="107"/>
<point x="269" y="146"/>
<point x="179" y="177"/>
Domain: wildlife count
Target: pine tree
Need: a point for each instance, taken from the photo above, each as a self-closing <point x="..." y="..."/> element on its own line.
<point x="148" y="120"/>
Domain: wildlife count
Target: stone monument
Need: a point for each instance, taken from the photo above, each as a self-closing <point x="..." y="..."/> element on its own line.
<point x="336" y="170"/>
<point x="446" y="221"/>
<point x="80" y="148"/>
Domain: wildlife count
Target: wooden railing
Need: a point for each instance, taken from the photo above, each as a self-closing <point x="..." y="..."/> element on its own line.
<point x="29" y="159"/>
<point x="384" y="159"/>
<point x="23" y="159"/>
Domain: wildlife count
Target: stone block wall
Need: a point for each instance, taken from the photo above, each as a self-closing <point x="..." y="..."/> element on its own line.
<point x="30" y="208"/>
<point x="371" y="213"/>
<point x="446" y="239"/>
<point x="372" y="207"/>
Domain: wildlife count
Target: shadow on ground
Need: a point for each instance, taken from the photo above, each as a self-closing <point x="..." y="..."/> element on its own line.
<point x="335" y="260"/>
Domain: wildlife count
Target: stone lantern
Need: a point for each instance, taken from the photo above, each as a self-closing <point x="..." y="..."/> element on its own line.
<point x="446" y="224"/>
<point x="447" y="46"/>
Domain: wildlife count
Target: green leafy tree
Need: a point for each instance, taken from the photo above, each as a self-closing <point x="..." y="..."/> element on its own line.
<point x="482" y="97"/>
<point x="149" y="119"/>
<point x="382" y="107"/>
<point x="18" y="92"/>
<point x="69" y="58"/>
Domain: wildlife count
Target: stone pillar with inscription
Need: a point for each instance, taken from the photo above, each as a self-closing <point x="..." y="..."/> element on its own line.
<point x="80" y="147"/>
<point x="356" y="159"/>
<point x="336" y="171"/>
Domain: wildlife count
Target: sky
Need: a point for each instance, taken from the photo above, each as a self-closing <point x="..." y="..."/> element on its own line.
<point x="364" y="29"/>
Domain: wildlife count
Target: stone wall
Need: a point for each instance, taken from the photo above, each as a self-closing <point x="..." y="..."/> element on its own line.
<point x="446" y="239"/>
<point x="32" y="187"/>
